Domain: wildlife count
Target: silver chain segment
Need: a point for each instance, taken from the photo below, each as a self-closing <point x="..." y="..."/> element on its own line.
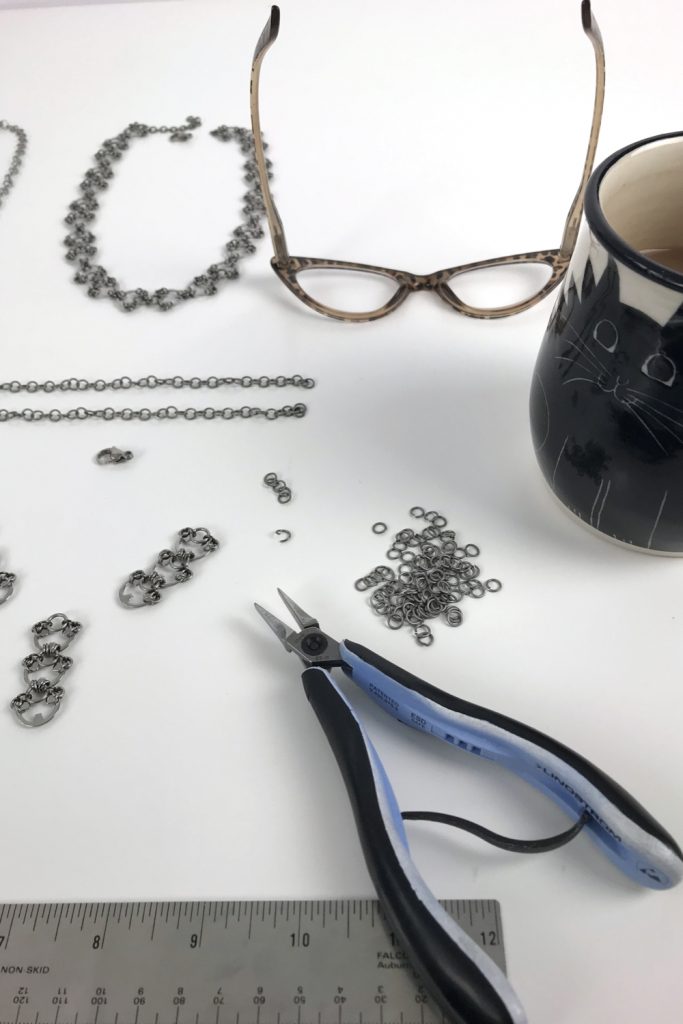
<point x="167" y="412"/>
<point x="81" y="241"/>
<point x="49" y="657"/>
<point x="143" y="588"/>
<point x="16" y="160"/>
<point x="151" y="381"/>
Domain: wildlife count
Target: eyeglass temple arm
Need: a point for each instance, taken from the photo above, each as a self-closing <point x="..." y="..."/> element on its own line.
<point x="573" y="222"/>
<point x="266" y="40"/>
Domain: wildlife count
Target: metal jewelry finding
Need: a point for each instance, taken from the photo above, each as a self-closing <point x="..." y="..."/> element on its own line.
<point x="57" y="625"/>
<point x="16" y="160"/>
<point x="48" y="658"/>
<point x="112" y="456"/>
<point x="81" y="242"/>
<point x="432" y="576"/>
<point x="151" y="381"/>
<point x="144" y="589"/>
<point x="283" y="492"/>
<point x="379" y="527"/>
<point x="7" y="581"/>
<point x="285" y="535"/>
<point x="168" y="412"/>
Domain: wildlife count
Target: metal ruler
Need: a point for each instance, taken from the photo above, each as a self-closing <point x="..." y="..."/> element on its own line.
<point x="299" y="962"/>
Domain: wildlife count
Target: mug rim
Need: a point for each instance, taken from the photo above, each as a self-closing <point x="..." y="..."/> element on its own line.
<point x="606" y="234"/>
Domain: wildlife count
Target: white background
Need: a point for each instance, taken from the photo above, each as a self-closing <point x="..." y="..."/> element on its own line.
<point x="186" y="761"/>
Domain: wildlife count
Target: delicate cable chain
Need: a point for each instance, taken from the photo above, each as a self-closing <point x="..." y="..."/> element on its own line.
<point x="168" y="412"/>
<point x="81" y="241"/>
<point x="17" y="158"/>
<point x="151" y="381"/>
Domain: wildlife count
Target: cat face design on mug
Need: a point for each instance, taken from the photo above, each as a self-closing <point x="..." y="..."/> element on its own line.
<point x="623" y="354"/>
<point x="607" y="411"/>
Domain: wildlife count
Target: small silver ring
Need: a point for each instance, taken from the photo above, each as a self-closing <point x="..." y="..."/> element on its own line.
<point x="379" y="527"/>
<point x="285" y="535"/>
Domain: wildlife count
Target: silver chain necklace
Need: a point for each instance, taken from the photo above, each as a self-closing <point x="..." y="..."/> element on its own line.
<point x="168" y="412"/>
<point x="81" y="241"/>
<point x="16" y="160"/>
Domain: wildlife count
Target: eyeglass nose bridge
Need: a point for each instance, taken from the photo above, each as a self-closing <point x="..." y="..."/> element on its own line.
<point x="423" y="282"/>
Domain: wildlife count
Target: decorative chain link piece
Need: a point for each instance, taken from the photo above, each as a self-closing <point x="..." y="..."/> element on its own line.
<point x="81" y="242"/>
<point x="16" y="160"/>
<point x="144" y="588"/>
<point x="51" y="664"/>
<point x="7" y="581"/>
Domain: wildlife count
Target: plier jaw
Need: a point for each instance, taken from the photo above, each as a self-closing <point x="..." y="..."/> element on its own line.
<point x="314" y="647"/>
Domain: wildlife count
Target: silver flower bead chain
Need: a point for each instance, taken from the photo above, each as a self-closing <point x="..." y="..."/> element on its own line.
<point x="81" y="241"/>
<point x="16" y="160"/>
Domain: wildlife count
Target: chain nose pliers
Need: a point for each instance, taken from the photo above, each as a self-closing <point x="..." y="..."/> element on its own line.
<point x="464" y="981"/>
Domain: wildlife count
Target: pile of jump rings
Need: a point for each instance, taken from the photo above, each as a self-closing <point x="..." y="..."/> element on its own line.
<point x="283" y="492"/>
<point x="432" y="576"/>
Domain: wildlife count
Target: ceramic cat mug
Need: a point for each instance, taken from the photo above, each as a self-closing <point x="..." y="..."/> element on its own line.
<point x="607" y="391"/>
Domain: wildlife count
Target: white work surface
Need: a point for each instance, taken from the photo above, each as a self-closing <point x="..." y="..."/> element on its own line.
<point x="186" y="762"/>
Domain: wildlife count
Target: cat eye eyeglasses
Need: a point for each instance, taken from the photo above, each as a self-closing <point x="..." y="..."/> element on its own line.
<point x="297" y="272"/>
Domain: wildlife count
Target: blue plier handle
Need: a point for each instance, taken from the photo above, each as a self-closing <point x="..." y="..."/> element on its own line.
<point x="468" y="986"/>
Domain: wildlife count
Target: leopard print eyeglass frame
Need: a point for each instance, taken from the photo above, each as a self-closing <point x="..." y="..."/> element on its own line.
<point x="292" y="269"/>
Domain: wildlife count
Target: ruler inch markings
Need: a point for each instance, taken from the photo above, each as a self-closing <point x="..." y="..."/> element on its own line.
<point x="262" y="962"/>
<point x="106" y="924"/>
<point x="201" y="926"/>
<point x="11" y="925"/>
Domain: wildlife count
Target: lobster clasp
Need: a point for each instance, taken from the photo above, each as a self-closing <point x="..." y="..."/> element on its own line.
<point x="112" y="456"/>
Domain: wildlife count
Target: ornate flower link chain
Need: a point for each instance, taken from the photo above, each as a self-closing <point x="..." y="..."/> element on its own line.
<point x="81" y="241"/>
<point x="143" y="588"/>
<point x="42" y="698"/>
<point x="17" y="158"/>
